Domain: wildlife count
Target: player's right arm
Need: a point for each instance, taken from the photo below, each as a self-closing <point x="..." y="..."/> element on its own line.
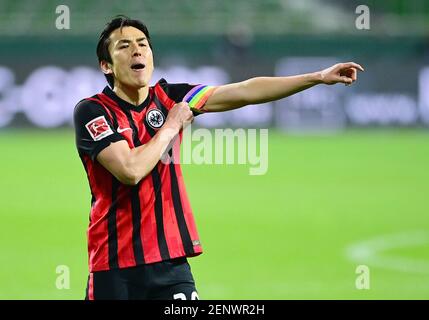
<point x="128" y="165"/>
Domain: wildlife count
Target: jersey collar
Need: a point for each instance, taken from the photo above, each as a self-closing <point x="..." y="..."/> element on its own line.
<point x="124" y="104"/>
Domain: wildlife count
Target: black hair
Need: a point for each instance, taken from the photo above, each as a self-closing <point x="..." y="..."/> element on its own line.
<point x="119" y="21"/>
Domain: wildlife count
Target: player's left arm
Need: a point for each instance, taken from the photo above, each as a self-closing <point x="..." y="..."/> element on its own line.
<point x="265" y="89"/>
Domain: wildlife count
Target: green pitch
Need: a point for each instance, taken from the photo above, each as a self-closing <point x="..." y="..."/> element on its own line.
<point x="326" y="205"/>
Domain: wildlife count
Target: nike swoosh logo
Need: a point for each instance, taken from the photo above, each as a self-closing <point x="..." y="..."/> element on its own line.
<point x="120" y="130"/>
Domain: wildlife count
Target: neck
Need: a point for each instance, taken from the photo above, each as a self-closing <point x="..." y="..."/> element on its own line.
<point x="131" y="95"/>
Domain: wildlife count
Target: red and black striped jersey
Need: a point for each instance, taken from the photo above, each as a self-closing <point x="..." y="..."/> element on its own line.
<point x="153" y="220"/>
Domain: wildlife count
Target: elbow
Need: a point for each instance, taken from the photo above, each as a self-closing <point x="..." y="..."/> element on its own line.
<point x="129" y="181"/>
<point x="129" y="177"/>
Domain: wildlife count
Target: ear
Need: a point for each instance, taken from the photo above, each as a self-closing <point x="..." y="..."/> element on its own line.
<point x="105" y="67"/>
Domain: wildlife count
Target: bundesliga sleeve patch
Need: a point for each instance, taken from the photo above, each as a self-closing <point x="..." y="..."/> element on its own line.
<point x="98" y="128"/>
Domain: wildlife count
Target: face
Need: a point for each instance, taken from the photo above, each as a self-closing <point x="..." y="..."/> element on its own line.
<point x="131" y="56"/>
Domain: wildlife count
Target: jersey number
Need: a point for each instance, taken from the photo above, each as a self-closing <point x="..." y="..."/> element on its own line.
<point x="182" y="296"/>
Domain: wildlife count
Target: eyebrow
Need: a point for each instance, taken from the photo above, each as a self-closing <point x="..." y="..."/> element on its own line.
<point x="128" y="41"/>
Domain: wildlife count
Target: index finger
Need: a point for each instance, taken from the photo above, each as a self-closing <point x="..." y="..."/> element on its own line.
<point x="353" y="65"/>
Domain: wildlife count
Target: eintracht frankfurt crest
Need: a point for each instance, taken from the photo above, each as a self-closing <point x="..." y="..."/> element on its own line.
<point x="155" y="118"/>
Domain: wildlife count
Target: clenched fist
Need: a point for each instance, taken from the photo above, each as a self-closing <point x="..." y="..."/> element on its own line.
<point x="179" y="116"/>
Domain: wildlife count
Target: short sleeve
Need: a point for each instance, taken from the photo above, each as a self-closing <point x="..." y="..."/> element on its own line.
<point x="93" y="128"/>
<point x="196" y="95"/>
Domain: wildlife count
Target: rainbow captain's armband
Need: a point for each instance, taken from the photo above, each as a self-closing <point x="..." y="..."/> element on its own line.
<point x="197" y="97"/>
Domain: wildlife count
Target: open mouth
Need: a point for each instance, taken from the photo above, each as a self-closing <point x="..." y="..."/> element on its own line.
<point x="137" y="66"/>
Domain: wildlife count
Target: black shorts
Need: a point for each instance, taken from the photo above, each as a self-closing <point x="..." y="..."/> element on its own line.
<point x="166" y="280"/>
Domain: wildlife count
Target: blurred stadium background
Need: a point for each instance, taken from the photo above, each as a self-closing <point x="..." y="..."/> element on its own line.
<point x="348" y="179"/>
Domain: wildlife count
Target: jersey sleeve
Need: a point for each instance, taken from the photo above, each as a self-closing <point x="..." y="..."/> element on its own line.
<point x="196" y="95"/>
<point x="93" y="128"/>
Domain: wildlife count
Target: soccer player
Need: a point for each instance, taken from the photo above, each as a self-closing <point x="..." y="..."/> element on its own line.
<point x="141" y="227"/>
